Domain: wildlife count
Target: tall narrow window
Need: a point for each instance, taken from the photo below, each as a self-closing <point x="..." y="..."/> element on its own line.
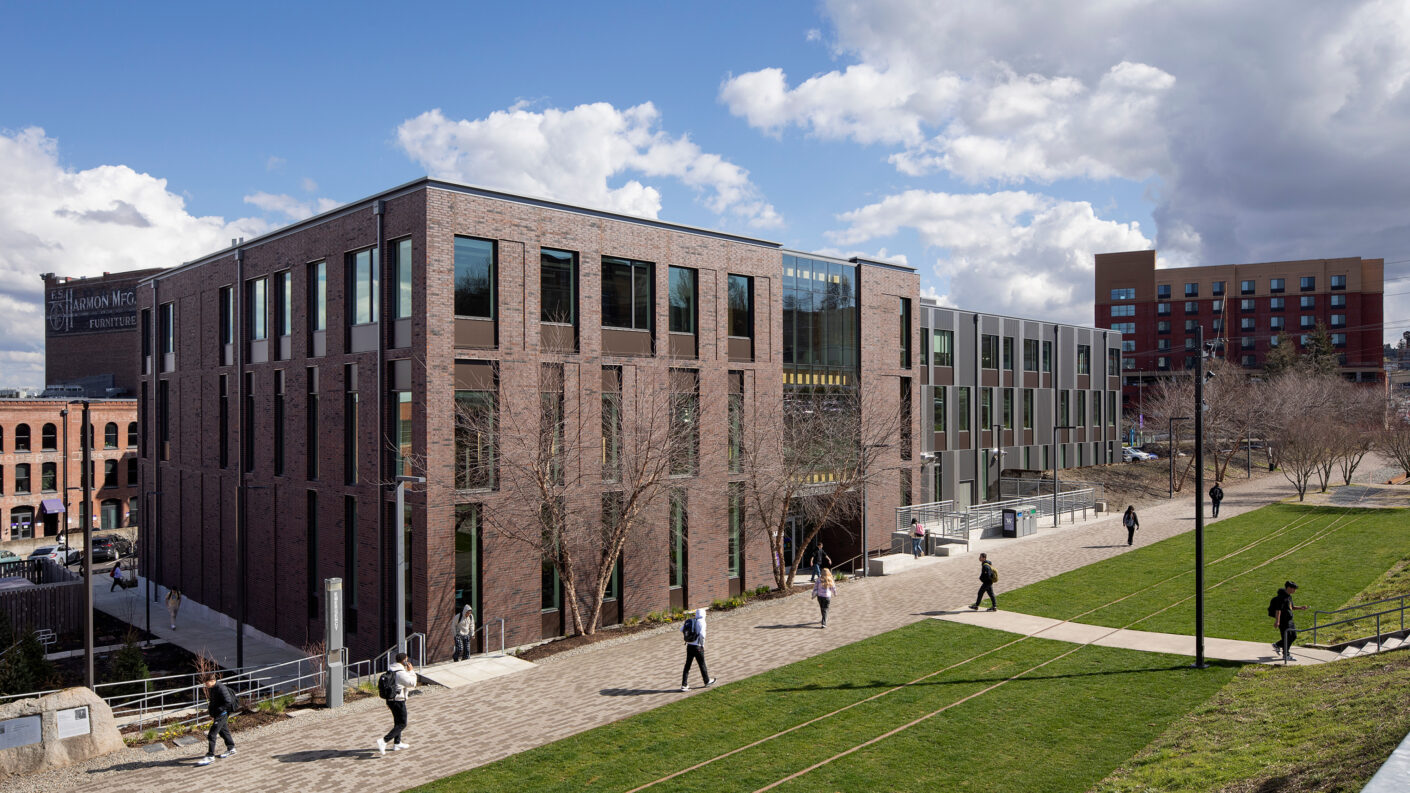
<point x="558" y="281"/>
<point x="401" y="266"/>
<point x="474" y="278"/>
<point x="279" y="422"/>
<point x="318" y="296"/>
<point x="611" y="423"/>
<point x="402" y="464"/>
<point x="905" y="309"/>
<point x="247" y="429"/>
<point x="683" y="299"/>
<point x="962" y="409"/>
<point x="364" y="287"/>
<point x="626" y="293"/>
<point x="736" y="422"/>
<point x="350" y="563"/>
<point x="943" y="345"/>
<point x="257" y="308"/>
<point x="350" y="424"/>
<point x="312" y="582"/>
<point x="679" y="530"/>
<point x="937" y="408"/>
<point x="741" y="306"/>
<point x="311" y="426"/>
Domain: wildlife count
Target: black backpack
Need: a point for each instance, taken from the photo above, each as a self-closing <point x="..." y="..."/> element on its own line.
<point x="1275" y="605"/>
<point x="691" y="631"/>
<point x="387" y="685"/>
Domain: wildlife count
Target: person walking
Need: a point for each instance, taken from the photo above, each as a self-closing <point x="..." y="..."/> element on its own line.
<point x="1216" y="494"/>
<point x="464" y="634"/>
<point x="693" y="630"/>
<point x="173" y="605"/>
<point x="404" y="675"/>
<point x="820" y="560"/>
<point x="917" y="538"/>
<point x="221" y="702"/>
<point x="1283" y="608"/>
<point x="824" y="590"/>
<point x="1131" y="522"/>
<point x="987" y="577"/>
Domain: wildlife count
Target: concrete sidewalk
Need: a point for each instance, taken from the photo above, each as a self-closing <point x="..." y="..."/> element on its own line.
<point x="1146" y="641"/>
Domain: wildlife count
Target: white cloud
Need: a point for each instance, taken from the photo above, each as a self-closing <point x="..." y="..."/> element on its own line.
<point x="581" y="155"/>
<point x="1013" y="252"/>
<point x="290" y="207"/>
<point x="82" y="223"/>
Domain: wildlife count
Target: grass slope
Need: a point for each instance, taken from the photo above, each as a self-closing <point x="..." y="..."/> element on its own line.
<point x="1299" y="729"/>
<point x="1074" y="719"/>
<point x="1345" y="550"/>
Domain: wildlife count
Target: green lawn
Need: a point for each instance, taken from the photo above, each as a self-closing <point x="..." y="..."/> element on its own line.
<point x="1075" y="719"/>
<point x="1345" y="551"/>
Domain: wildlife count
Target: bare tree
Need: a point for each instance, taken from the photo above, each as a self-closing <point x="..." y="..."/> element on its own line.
<point x="811" y="460"/>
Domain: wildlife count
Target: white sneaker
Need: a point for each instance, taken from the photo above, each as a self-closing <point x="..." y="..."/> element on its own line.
<point x="227" y="752"/>
<point x="685" y="688"/>
<point x="399" y="746"/>
<point x="381" y="746"/>
<point x="207" y="760"/>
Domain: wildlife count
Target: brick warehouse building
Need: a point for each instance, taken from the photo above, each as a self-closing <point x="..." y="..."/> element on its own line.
<point x="1246" y="305"/>
<point x="37" y="487"/>
<point x="287" y="362"/>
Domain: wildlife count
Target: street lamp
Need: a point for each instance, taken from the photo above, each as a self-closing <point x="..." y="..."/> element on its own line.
<point x="401" y="557"/>
<point x="1170" y="451"/>
<point x="1057" y="463"/>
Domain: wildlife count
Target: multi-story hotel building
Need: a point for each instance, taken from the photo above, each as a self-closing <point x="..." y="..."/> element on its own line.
<point x="1246" y="307"/>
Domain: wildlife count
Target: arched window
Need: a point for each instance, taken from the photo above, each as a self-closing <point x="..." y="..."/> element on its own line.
<point x="21" y="437"/>
<point x="21" y="523"/>
<point x="110" y="435"/>
<point x="49" y="438"/>
<point x="132" y="435"/>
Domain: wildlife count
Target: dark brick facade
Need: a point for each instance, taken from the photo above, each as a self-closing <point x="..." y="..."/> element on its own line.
<point x="196" y="518"/>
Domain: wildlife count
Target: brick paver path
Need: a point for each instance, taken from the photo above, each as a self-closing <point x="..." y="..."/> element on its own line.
<point x="451" y="731"/>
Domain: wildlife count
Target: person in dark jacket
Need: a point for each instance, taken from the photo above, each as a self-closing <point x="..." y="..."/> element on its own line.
<point x="1131" y="522"/>
<point x="222" y="703"/>
<point x="820" y="560"/>
<point x="986" y="584"/>
<point x="1283" y="620"/>
<point x="1216" y="494"/>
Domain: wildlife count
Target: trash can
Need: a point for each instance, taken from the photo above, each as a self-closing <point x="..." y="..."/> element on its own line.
<point x="1010" y="523"/>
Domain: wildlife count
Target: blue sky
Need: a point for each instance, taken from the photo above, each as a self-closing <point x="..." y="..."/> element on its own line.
<point x="993" y="146"/>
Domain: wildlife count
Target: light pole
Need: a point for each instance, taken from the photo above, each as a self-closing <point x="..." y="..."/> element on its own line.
<point x="1170" y="443"/>
<point x="1057" y="463"/>
<point x="401" y="557"/>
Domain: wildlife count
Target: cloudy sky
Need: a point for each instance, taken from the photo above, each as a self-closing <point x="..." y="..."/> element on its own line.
<point x="996" y="146"/>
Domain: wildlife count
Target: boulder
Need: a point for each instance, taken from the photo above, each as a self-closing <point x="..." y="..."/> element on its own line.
<point x="54" y="731"/>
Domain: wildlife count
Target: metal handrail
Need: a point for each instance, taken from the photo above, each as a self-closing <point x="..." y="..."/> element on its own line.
<point x="1379" y="636"/>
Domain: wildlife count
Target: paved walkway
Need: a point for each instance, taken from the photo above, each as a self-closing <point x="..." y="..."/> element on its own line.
<point x="1148" y="641"/>
<point x="453" y="730"/>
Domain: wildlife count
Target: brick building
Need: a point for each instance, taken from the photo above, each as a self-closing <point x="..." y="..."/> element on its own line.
<point x="288" y="364"/>
<point x="1249" y="307"/>
<point x="41" y="466"/>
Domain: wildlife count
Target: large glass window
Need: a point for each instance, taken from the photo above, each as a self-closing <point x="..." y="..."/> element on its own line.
<point x="318" y="296"/>
<point x="474" y="278"/>
<point x="943" y="347"/>
<point x="401" y="266"/>
<point x="558" y="279"/>
<point x="626" y="294"/>
<point x="684" y="299"/>
<point x="741" y="306"/>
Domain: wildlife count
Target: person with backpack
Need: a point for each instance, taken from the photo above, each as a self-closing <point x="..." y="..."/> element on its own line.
<point x="1216" y="494"/>
<point x="988" y="576"/>
<point x="464" y="634"/>
<point x="824" y="590"/>
<point x="1131" y="522"/>
<point x="917" y="538"/>
<point x="820" y="560"/>
<point x="221" y="702"/>
<point x="693" y="630"/>
<point x="1281" y="609"/>
<point x="393" y="686"/>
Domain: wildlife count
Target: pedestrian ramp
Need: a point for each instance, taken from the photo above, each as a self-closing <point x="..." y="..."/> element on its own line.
<point x="458" y="674"/>
<point x="1148" y="641"/>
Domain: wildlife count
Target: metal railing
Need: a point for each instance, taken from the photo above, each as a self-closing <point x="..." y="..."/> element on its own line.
<point x="1399" y="610"/>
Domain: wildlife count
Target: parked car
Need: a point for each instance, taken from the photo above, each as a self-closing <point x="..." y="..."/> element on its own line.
<point x="110" y="547"/>
<point x="61" y="554"/>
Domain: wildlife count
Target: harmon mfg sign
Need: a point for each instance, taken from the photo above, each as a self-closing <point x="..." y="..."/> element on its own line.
<point x="92" y="309"/>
